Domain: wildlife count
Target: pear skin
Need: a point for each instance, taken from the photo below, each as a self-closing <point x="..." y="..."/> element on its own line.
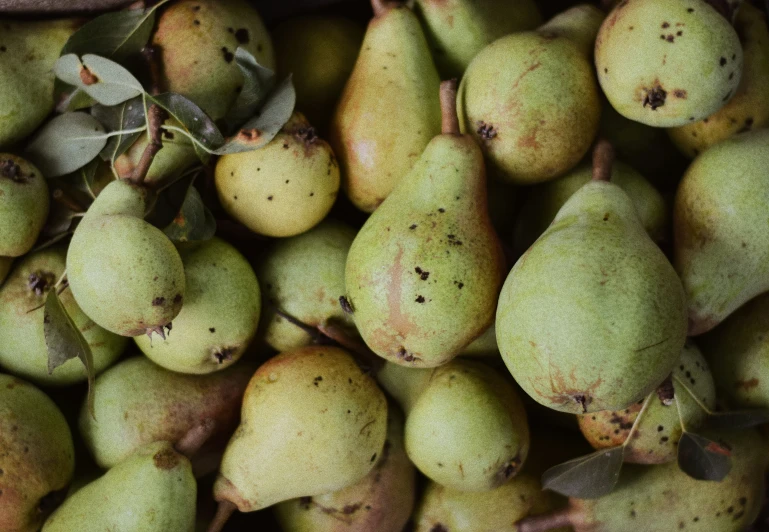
<point x="23" y="205"/>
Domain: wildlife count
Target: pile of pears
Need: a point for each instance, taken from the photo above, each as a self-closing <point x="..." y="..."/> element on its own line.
<point x="474" y="266"/>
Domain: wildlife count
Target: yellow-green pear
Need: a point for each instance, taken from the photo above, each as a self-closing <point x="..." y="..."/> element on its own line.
<point x="423" y="273"/>
<point x="23" y="205"/>
<point x="749" y="107"/>
<point x="23" y="348"/>
<point x="284" y="188"/>
<point x="303" y="276"/>
<point x="312" y="422"/>
<point x="197" y="40"/>
<point x="721" y="246"/>
<point x="37" y="456"/>
<point x="382" y="501"/>
<point x="483" y="346"/>
<point x="389" y="109"/>
<point x="28" y="51"/>
<point x="220" y="314"/>
<point x="531" y="99"/>
<point x="153" y="490"/>
<point x="458" y="29"/>
<point x="319" y="52"/>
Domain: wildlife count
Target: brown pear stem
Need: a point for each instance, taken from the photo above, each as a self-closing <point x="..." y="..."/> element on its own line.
<point x="603" y="160"/>
<point x="541" y="523"/>
<point x="372" y="361"/>
<point x="381" y="6"/>
<point x="223" y="513"/>
<point x="150" y="54"/>
<point x="155" y="118"/>
<point x="449" y="118"/>
<point x="190" y="443"/>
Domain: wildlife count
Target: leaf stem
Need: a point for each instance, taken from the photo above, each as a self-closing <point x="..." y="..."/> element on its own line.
<point x="637" y="420"/>
<point x="155" y="118"/>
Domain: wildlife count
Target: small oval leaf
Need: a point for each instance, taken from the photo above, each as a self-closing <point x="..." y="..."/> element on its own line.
<point x="702" y="458"/>
<point x="737" y="419"/>
<point x="194" y="222"/>
<point x="102" y="79"/>
<point x="116" y="35"/>
<point x="258" y="81"/>
<point x="586" y="477"/>
<point x="196" y="123"/>
<point x="66" y="143"/>
<point x="124" y="117"/>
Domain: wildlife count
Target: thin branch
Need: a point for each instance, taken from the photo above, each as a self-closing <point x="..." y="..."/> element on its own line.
<point x="155" y="118"/>
<point x="223" y="513"/>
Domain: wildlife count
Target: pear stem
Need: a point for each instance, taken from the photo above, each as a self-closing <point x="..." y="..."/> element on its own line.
<point x="380" y="7"/>
<point x="190" y="443"/>
<point x="449" y="118"/>
<point x="541" y="523"/>
<point x="223" y="513"/>
<point x="603" y="160"/>
<point x="155" y="118"/>
<point x="371" y="360"/>
<point x="150" y="54"/>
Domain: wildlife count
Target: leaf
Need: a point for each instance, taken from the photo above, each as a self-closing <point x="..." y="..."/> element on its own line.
<point x="65" y="341"/>
<point x="737" y="419"/>
<point x="102" y="79"/>
<point x="262" y="128"/>
<point x="194" y="222"/>
<point x="94" y="181"/>
<point x="586" y="477"/>
<point x="66" y="143"/>
<point x="70" y="98"/>
<point x="126" y="116"/>
<point x="196" y="124"/>
<point x="703" y="459"/>
<point x="258" y="81"/>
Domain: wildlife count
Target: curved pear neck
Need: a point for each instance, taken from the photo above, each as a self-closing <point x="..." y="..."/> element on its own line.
<point x="119" y="197"/>
<point x="449" y="118"/>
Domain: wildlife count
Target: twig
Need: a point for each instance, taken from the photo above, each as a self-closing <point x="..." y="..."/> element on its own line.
<point x="150" y="55"/>
<point x="155" y="118"/>
<point x="190" y="443"/>
<point x="223" y="513"/>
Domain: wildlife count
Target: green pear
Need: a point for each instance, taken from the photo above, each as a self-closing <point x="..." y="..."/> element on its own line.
<point x="721" y="246"/>
<point x="28" y="51"/>
<point x="458" y="29"/>
<point x="667" y="63"/>
<point x="283" y="189"/>
<point x="197" y="40"/>
<point x="738" y="352"/>
<point x="483" y="346"/>
<point x="5" y="267"/>
<point x="303" y="276"/>
<point x="545" y="200"/>
<point x="125" y="274"/>
<point x="389" y="109"/>
<point x="749" y="107"/>
<point x="153" y="490"/>
<point x="23" y="350"/>
<point x="423" y="273"/>
<point x="220" y="314"/>
<point x="327" y="424"/>
<point x="137" y="402"/>
<point x="319" y="52"/>
<point x="593" y="316"/>
<point x="655" y="424"/>
<point x="23" y="205"/>
<point x="37" y="456"/>
<point x="381" y="501"/>
<point x="664" y="498"/>
<point x="531" y="99"/>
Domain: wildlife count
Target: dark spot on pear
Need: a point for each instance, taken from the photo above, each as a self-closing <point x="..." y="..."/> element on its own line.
<point x="228" y="56"/>
<point x="158" y="301"/>
<point x="165" y="459"/>
<point x="242" y="36"/>
<point x="346" y="305"/>
<point x="420" y="299"/>
<point x="655" y="97"/>
<point x="212" y="329"/>
<point x="177" y="300"/>
<point x="722" y="61"/>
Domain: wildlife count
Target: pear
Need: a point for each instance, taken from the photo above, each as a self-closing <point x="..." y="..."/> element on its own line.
<point x="721" y="246"/>
<point x="389" y="109"/>
<point x="381" y="501"/>
<point x="458" y="29"/>
<point x="37" y="456"/>
<point x="5" y="267"/>
<point x="153" y="490"/>
<point x="664" y="498"/>
<point x="137" y="402"/>
<point x="483" y="346"/>
<point x="423" y="273"/>
<point x="197" y="40"/>
<point x="303" y="276"/>
<point x="327" y="425"/>
<point x="125" y="274"/>
<point x="283" y="189"/>
<point x="23" y="205"/>
<point x="593" y="316"/>
<point x="28" y="51"/>
<point x="531" y="100"/>
<point x="738" y="352"/>
<point x="656" y="423"/>
<point x="220" y="314"/>
<point x="666" y="63"/>
<point x="545" y="200"/>
<point x="749" y="107"/>
<point x="23" y="350"/>
<point x="319" y="52"/>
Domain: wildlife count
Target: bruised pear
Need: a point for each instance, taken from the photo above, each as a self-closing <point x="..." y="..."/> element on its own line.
<point x="220" y="313"/>
<point x="23" y="205"/>
<point x="125" y="274"/>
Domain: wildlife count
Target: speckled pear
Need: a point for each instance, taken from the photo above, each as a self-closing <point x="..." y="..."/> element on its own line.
<point x="423" y="273"/>
<point x="23" y="205"/>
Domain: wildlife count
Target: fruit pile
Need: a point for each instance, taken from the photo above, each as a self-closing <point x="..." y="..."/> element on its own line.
<point x="198" y="331"/>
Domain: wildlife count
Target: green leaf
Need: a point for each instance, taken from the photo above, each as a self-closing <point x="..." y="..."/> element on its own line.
<point x="586" y="477"/>
<point x="65" y="341"/>
<point x="737" y="419"/>
<point x="94" y="181"/>
<point x="70" y="98"/>
<point x="703" y="459"/>
<point x="102" y="79"/>
<point x="258" y="81"/>
<point x="195" y="123"/>
<point x="194" y="222"/>
<point x="66" y="143"/>
<point x="126" y="116"/>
